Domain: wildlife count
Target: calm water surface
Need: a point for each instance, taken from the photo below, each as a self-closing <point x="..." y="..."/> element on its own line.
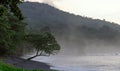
<point x="83" y="63"/>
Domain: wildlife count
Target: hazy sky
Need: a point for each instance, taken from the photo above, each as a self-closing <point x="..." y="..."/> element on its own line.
<point x="102" y="9"/>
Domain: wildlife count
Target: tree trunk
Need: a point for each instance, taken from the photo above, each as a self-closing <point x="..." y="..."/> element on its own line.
<point x="37" y="54"/>
<point x="31" y="58"/>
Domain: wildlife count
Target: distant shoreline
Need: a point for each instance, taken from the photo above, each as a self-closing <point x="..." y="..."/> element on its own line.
<point x="29" y="65"/>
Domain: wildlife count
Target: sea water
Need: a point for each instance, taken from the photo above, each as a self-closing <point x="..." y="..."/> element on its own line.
<point x="83" y="63"/>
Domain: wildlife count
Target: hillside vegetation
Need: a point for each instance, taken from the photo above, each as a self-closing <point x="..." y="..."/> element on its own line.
<point x="73" y="32"/>
<point x="64" y="24"/>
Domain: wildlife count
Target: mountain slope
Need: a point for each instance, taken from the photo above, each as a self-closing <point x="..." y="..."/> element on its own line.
<point x="40" y="15"/>
<point x="71" y="30"/>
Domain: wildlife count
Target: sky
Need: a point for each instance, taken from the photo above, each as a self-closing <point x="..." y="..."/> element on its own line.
<point x="97" y="9"/>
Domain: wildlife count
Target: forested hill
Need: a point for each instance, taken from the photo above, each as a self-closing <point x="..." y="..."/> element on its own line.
<point x="66" y="25"/>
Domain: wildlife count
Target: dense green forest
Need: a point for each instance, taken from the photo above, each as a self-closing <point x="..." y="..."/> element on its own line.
<point x="12" y="27"/>
<point x="13" y="33"/>
<point x="13" y="36"/>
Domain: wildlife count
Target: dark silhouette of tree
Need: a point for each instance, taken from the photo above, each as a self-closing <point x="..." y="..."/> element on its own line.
<point x="12" y="32"/>
<point x="44" y="44"/>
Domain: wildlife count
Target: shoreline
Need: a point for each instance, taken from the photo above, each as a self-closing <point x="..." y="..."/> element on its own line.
<point x="29" y="65"/>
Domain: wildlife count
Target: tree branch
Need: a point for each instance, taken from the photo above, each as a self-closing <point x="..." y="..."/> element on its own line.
<point x="31" y="57"/>
<point x="37" y="54"/>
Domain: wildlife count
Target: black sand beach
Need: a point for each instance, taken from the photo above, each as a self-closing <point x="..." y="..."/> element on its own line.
<point x="30" y="65"/>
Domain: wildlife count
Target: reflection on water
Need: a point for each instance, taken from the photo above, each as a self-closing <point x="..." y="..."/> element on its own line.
<point x="83" y="63"/>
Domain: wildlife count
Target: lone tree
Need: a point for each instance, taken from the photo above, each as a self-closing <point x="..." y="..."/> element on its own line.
<point x="43" y="43"/>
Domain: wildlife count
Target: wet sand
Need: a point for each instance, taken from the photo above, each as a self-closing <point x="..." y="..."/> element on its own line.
<point x="30" y="65"/>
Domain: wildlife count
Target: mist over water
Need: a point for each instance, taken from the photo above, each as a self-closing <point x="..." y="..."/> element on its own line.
<point x="79" y="52"/>
<point x="86" y="44"/>
<point x="82" y="50"/>
<point x="84" y="56"/>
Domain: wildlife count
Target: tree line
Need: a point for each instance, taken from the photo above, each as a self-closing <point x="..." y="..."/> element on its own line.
<point x="13" y="34"/>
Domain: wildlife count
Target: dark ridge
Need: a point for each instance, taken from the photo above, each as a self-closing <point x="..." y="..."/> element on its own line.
<point x="63" y="24"/>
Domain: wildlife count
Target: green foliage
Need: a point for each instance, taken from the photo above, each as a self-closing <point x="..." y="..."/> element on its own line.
<point x="3" y="11"/>
<point x="11" y="30"/>
<point x="44" y="43"/>
<point x="11" y="5"/>
<point x="5" y="67"/>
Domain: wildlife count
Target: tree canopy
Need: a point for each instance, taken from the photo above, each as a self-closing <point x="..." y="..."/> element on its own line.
<point x="11" y="30"/>
<point x="44" y="44"/>
<point x="12" y="6"/>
